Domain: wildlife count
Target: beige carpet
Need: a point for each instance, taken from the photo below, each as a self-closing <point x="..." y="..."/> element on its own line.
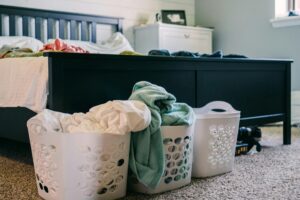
<point x="273" y="173"/>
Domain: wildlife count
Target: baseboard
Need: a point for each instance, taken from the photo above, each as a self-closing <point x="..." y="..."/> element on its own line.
<point x="295" y="109"/>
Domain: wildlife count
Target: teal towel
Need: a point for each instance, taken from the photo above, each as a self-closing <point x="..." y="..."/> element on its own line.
<point x="147" y="161"/>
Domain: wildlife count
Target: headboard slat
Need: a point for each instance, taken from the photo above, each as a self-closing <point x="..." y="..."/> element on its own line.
<point x="50" y="28"/>
<point x="25" y="25"/>
<point x="1" y="25"/>
<point x="84" y="31"/>
<point x="38" y="27"/>
<point x="94" y="32"/>
<point x="68" y="23"/>
<point x="73" y="30"/>
<point x="12" y="25"/>
<point x="62" y="29"/>
<point x="120" y="25"/>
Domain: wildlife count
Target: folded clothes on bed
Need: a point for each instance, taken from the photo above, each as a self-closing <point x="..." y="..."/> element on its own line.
<point x="130" y="53"/>
<point x="216" y="54"/>
<point x="159" y="52"/>
<point x="234" y="56"/>
<point x="12" y="52"/>
<point x="60" y="45"/>
<point x="146" y="149"/>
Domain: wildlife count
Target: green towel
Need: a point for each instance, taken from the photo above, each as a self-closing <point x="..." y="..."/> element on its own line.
<point x="15" y="52"/>
<point x="130" y="53"/>
<point x="147" y="161"/>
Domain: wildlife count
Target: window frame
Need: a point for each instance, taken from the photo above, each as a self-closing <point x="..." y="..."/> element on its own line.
<point x="291" y="5"/>
<point x="285" y="21"/>
<point x="294" y="5"/>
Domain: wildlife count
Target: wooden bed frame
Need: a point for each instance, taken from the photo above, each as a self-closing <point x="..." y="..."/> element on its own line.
<point x="259" y="88"/>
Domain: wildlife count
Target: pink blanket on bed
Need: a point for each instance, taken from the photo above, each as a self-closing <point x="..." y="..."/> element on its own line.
<point x="59" y="45"/>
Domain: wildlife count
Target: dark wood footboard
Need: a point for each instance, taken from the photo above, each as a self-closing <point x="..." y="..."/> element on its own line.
<point x="13" y="123"/>
<point x="259" y="88"/>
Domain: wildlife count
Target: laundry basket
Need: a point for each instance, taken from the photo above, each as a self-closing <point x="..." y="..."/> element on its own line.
<point x="216" y="129"/>
<point x="178" y="148"/>
<point x="78" y="166"/>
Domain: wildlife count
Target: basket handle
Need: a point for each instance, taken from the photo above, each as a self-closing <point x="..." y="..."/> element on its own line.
<point x="219" y="106"/>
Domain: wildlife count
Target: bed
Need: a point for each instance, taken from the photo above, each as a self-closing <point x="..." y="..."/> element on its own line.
<point x="259" y="88"/>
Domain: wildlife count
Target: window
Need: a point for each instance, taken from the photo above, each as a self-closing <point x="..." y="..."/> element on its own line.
<point x="297" y="5"/>
<point x="282" y="9"/>
<point x="294" y="5"/>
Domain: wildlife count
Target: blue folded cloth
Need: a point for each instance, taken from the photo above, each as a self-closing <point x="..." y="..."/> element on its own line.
<point x="186" y="54"/>
<point x="234" y="56"/>
<point x="147" y="160"/>
<point x="216" y="54"/>
<point x="293" y="13"/>
<point x="159" y="52"/>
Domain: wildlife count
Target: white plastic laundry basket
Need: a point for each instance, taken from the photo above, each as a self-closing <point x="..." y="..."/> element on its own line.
<point x="178" y="147"/>
<point x="79" y="166"/>
<point x="216" y="129"/>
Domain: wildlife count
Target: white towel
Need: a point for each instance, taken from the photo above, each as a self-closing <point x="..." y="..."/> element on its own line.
<point x="23" y="82"/>
<point x="121" y="116"/>
<point x="50" y="120"/>
<point x="113" y="117"/>
<point x="79" y="123"/>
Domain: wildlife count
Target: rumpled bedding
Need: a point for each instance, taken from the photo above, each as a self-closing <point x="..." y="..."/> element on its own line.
<point x="116" y="44"/>
<point x="114" y="117"/>
<point x="23" y="82"/>
<point x="14" y="52"/>
<point x="146" y="160"/>
<point x="130" y="53"/>
<point x="59" y="45"/>
<point x="56" y="46"/>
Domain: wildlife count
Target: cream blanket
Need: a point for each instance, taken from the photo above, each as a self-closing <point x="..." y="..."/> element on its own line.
<point x="23" y="82"/>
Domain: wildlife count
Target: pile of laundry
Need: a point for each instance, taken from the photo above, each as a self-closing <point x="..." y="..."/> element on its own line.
<point x="149" y="107"/>
<point x="113" y="117"/>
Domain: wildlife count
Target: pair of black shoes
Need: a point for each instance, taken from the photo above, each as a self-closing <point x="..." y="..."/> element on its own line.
<point x="251" y="136"/>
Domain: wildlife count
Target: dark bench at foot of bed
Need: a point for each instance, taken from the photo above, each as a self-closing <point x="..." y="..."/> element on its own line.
<point x="259" y="88"/>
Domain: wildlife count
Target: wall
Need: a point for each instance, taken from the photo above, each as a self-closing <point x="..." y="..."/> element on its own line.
<point x="135" y="12"/>
<point x="296" y="107"/>
<point x="244" y="27"/>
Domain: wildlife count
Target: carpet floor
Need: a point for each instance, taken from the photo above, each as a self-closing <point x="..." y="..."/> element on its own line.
<point x="273" y="173"/>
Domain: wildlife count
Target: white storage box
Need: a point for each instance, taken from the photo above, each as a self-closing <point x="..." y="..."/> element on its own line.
<point x="178" y="147"/>
<point x="79" y="166"/>
<point x="216" y="129"/>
